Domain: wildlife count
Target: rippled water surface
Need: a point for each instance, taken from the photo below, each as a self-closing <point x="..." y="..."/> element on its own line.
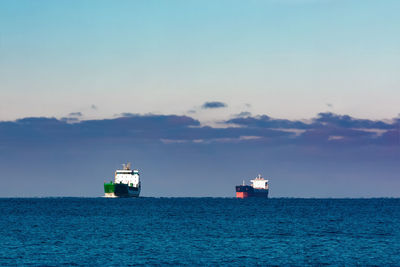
<point x="199" y="231"/>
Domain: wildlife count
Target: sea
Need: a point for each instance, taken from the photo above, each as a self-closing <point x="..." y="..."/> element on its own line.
<point x="199" y="232"/>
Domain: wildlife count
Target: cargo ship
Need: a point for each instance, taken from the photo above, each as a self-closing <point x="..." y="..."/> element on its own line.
<point x="258" y="188"/>
<point x="126" y="183"/>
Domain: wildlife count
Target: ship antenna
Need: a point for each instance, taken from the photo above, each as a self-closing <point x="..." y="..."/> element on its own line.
<point x="243" y="182"/>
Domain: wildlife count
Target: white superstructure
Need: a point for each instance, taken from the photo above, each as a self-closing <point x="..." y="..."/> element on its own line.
<point x="127" y="176"/>
<point x="259" y="183"/>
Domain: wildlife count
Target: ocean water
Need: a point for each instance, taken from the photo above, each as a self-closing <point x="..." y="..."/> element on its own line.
<point x="199" y="231"/>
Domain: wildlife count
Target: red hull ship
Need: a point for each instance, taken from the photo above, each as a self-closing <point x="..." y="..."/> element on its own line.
<point x="258" y="188"/>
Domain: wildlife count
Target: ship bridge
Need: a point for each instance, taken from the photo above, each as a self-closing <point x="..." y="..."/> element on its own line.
<point x="259" y="183"/>
<point x="127" y="176"/>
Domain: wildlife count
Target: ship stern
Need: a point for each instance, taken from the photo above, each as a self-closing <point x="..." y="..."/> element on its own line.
<point x="109" y="189"/>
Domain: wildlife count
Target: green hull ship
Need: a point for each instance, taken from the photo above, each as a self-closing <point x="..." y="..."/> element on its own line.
<point x="126" y="183"/>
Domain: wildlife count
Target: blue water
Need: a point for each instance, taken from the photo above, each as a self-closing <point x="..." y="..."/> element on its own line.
<point x="199" y="231"/>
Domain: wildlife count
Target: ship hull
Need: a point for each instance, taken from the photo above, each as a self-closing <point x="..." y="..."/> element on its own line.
<point x="113" y="190"/>
<point x="245" y="191"/>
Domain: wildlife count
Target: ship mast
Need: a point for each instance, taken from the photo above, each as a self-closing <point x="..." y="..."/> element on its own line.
<point x="126" y="166"/>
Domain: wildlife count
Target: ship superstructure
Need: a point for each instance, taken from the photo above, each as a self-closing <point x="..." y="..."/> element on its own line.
<point x="258" y="188"/>
<point x="126" y="183"/>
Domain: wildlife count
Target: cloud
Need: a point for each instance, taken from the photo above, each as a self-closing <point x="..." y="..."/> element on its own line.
<point x="345" y="121"/>
<point x="265" y="121"/>
<point x="335" y="137"/>
<point x="243" y="114"/>
<point x="75" y="114"/>
<point x="126" y="114"/>
<point x="323" y="120"/>
<point x="325" y="129"/>
<point x="70" y="119"/>
<point x="213" y="104"/>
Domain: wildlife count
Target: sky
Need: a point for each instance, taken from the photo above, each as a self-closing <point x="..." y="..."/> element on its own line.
<point x="200" y="95"/>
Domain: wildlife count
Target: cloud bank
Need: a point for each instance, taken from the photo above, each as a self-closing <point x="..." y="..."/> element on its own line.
<point x="327" y="156"/>
<point x="325" y="129"/>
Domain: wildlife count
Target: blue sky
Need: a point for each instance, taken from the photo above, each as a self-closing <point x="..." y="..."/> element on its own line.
<point x="200" y="93"/>
<point x="286" y="58"/>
